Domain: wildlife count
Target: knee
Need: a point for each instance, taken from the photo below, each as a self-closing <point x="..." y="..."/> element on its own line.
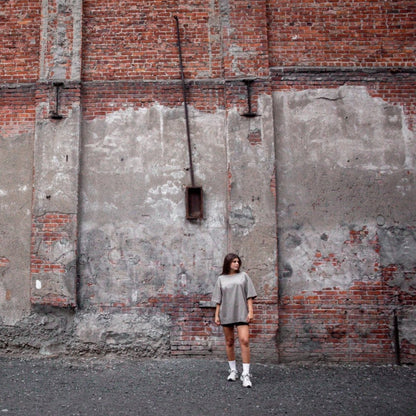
<point x="229" y="342"/>
<point x="244" y="342"/>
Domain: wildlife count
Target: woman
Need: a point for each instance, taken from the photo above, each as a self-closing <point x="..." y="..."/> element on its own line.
<point x="233" y="294"/>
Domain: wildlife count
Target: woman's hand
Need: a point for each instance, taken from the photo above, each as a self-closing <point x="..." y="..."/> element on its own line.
<point x="217" y="319"/>
<point x="250" y="315"/>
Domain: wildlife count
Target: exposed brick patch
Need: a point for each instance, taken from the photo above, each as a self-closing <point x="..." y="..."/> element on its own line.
<point x="48" y="265"/>
<point x="408" y="352"/>
<point x="357" y="236"/>
<point x="400" y="283"/>
<point x="321" y="260"/>
<point x="273" y="184"/>
<point x="337" y="325"/>
<point x="4" y="262"/>
<point x="254" y="137"/>
<point x="194" y="331"/>
<point x="101" y="98"/>
<point x="354" y="324"/>
<point x="400" y="93"/>
<point x="46" y="231"/>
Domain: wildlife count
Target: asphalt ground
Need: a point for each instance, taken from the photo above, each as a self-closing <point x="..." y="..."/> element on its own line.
<point x="33" y="386"/>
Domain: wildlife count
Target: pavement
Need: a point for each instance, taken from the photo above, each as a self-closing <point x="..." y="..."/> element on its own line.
<point x="106" y="386"/>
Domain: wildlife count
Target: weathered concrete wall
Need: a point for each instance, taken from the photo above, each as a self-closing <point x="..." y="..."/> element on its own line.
<point x="19" y="54"/>
<point x="55" y="207"/>
<point x="135" y="242"/>
<point x="16" y="161"/>
<point x="252" y="198"/>
<point x="56" y="156"/>
<point x="58" y="331"/>
<point x="94" y="240"/>
<point x="344" y="162"/>
<point x="136" y="245"/>
<point x="345" y="212"/>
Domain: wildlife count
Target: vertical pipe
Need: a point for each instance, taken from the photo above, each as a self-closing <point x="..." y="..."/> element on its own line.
<point x="396" y="337"/>
<point x="185" y="102"/>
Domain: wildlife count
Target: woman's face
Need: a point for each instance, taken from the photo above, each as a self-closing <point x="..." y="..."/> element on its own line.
<point x="235" y="265"/>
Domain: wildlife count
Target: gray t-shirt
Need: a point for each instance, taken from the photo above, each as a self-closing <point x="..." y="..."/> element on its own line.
<point x="232" y="291"/>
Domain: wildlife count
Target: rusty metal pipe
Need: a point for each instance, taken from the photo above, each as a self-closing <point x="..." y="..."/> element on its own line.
<point x="191" y="167"/>
<point x="396" y="337"/>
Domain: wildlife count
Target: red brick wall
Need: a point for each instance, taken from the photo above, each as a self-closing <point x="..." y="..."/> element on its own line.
<point x="138" y="40"/>
<point x="101" y="98"/>
<point x="356" y="324"/>
<point x="17" y="113"/>
<point x="127" y="40"/>
<point x="338" y="33"/>
<point x="399" y="92"/>
<point x="193" y="331"/>
<point x="19" y="35"/>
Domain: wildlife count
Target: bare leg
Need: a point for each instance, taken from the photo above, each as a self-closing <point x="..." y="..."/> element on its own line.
<point x="243" y="336"/>
<point x="229" y="342"/>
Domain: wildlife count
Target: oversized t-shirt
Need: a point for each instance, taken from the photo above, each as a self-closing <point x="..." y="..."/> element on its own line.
<point x="232" y="291"/>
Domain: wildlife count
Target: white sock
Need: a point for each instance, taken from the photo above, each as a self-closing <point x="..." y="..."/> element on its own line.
<point x="233" y="366"/>
<point x="246" y="368"/>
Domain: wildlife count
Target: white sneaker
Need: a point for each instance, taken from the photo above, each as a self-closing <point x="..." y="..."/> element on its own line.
<point x="245" y="378"/>
<point x="233" y="376"/>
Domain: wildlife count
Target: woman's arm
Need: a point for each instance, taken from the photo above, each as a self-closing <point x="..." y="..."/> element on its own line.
<point x="217" y="314"/>
<point x="250" y="315"/>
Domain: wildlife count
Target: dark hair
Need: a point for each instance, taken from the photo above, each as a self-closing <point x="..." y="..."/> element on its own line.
<point x="227" y="262"/>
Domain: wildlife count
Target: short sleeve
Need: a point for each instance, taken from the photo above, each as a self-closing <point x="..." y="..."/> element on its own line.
<point x="250" y="290"/>
<point x="217" y="294"/>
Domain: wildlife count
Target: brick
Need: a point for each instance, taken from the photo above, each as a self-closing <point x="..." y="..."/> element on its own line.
<point x="135" y="65"/>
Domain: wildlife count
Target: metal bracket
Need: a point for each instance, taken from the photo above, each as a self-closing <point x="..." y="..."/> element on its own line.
<point x="55" y="114"/>
<point x="250" y="113"/>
